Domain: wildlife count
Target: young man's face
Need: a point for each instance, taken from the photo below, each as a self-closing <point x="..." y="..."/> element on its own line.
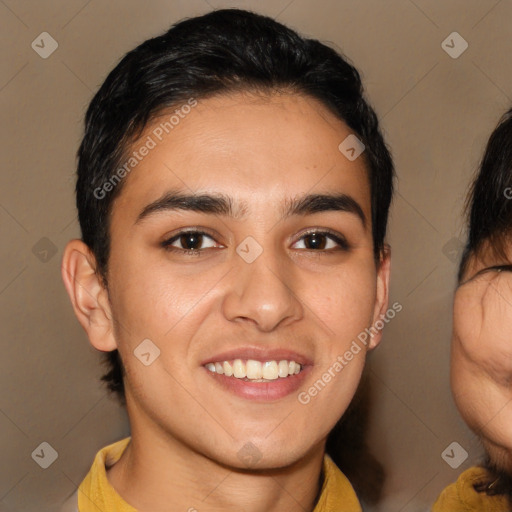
<point x="259" y="287"/>
<point x="482" y="356"/>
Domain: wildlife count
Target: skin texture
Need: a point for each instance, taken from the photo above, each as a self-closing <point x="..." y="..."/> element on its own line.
<point x="187" y="430"/>
<point x="481" y="368"/>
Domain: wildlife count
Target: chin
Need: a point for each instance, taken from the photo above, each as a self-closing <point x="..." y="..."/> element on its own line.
<point x="254" y="458"/>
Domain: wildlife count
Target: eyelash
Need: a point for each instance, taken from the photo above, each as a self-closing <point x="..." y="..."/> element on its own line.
<point x="340" y="240"/>
<point x="500" y="268"/>
<point x="191" y="252"/>
<point x="494" y="268"/>
<point x="343" y="245"/>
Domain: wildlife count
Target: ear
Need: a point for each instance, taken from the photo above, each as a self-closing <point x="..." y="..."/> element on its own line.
<point x="382" y="295"/>
<point x="88" y="295"/>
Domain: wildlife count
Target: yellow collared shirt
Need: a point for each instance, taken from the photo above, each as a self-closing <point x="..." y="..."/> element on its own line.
<point x="462" y="496"/>
<point x="95" y="492"/>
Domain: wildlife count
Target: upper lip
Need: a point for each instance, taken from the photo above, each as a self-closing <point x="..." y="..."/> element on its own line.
<point x="259" y="354"/>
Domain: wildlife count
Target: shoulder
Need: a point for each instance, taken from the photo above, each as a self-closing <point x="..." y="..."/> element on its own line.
<point x="336" y="490"/>
<point x="461" y="496"/>
<point x="96" y="479"/>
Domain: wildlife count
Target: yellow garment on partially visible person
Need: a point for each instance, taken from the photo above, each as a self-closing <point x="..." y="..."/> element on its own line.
<point x="96" y="494"/>
<point x="462" y="496"/>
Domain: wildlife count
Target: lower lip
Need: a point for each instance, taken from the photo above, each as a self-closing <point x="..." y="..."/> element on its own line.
<point x="262" y="391"/>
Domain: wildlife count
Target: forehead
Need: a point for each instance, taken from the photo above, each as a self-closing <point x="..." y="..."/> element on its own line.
<point x="243" y="143"/>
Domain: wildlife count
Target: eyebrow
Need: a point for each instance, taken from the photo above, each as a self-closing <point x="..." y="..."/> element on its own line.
<point x="220" y="204"/>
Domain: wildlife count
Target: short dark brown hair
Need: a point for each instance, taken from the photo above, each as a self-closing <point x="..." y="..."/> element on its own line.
<point x="225" y="50"/>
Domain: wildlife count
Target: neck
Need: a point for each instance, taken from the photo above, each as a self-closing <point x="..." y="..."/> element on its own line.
<point x="158" y="472"/>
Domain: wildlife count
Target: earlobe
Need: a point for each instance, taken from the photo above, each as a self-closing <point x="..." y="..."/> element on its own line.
<point x="382" y="294"/>
<point x="88" y="296"/>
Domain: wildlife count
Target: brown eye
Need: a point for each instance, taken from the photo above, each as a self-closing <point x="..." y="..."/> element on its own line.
<point x="315" y="241"/>
<point x="189" y="241"/>
<point x="321" y="241"/>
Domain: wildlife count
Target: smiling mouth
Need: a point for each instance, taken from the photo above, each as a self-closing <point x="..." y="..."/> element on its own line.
<point x="255" y="371"/>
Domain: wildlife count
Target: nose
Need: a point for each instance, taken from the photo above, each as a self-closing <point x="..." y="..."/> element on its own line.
<point x="262" y="293"/>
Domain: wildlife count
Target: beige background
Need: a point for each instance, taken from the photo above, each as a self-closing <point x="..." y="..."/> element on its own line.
<point x="437" y="113"/>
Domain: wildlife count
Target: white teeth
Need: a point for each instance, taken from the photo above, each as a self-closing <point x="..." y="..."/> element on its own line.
<point x="228" y="369"/>
<point x="270" y="370"/>
<point x="255" y="370"/>
<point x="239" y="369"/>
<point x="283" y="368"/>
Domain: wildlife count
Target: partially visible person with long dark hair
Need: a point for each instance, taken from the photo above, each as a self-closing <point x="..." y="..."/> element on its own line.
<point x="481" y="365"/>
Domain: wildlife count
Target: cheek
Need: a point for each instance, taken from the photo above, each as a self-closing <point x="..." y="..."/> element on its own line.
<point x="152" y="299"/>
<point x="340" y="306"/>
<point x="481" y="367"/>
<point x="347" y="300"/>
<point x="486" y="409"/>
<point x="467" y="325"/>
<point x="483" y="329"/>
